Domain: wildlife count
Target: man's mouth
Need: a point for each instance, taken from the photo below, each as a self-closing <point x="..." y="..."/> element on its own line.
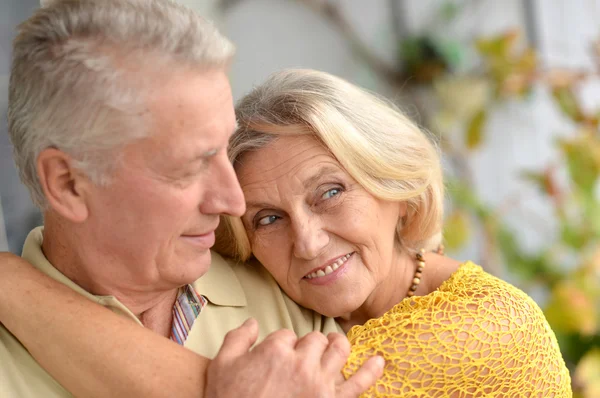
<point x="204" y="241"/>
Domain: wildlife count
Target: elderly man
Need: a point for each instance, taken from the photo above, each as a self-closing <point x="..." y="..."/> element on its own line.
<point x="120" y="113"/>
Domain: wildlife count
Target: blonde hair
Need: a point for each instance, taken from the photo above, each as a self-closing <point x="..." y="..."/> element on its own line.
<point x="381" y="148"/>
<point x="80" y="72"/>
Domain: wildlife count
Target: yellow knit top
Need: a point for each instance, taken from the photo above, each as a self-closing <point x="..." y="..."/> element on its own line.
<point x="475" y="336"/>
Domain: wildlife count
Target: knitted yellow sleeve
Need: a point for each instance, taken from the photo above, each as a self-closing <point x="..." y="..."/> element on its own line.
<point x="476" y="336"/>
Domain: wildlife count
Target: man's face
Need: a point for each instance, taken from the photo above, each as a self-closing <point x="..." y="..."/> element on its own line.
<point x="154" y="224"/>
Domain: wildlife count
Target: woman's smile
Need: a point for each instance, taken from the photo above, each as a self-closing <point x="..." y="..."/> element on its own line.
<point x="330" y="272"/>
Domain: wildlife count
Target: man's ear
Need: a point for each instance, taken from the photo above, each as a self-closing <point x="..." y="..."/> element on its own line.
<point x="63" y="185"/>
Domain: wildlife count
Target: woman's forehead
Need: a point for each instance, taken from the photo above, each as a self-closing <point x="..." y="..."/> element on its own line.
<point x="285" y="156"/>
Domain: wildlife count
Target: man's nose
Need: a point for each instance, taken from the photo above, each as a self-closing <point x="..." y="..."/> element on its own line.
<point x="224" y="196"/>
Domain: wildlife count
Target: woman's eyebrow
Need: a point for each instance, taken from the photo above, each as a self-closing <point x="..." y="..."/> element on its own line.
<point x="257" y="205"/>
<point x="324" y="170"/>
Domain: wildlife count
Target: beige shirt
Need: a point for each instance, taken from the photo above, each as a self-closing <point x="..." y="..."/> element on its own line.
<point x="235" y="292"/>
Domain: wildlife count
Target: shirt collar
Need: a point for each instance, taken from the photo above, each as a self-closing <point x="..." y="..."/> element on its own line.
<point x="32" y="252"/>
<point x="220" y="285"/>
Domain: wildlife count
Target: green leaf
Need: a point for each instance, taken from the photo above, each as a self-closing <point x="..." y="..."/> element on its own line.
<point x="591" y="209"/>
<point x="464" y="197"/>
<point x="573" y="236"/>
<point x="474" y="132"/>
<point x="568" y="103"/>
<point x="583" y="161"/>
<point x="457" y="230"/>
<point x="538" y="179"/>
<point x="449" y="10"/>
<point x="451" y="51"/>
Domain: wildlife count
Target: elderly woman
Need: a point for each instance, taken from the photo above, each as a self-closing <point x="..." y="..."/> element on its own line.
<point x="344" y="200"/>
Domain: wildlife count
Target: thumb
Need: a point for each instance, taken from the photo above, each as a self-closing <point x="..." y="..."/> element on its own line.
<point x="363" y="379"/>
<point x="239" y="341"/>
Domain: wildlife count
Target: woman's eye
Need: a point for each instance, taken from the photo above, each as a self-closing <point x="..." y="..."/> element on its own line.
<point x="267" y="220"/>
<point x="331" y="193"/>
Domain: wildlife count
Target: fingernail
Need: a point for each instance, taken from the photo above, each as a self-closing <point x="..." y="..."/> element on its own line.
<point x="380" y="361"/>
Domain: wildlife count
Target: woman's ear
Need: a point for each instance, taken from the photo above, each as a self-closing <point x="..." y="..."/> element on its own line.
<point x="63" y="184"/>
<point x="403" y="209"/>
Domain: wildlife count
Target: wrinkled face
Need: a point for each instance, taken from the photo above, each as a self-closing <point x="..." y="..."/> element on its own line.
<point x="156" y="219"/>
<point x="328" y="242"/>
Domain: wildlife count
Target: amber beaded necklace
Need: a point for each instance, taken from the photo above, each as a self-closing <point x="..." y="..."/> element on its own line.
<point x="419" y="271"/>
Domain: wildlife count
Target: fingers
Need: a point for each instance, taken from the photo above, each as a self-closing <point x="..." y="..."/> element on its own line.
<point x="283" y="336"/>
<point x="238" y="341"/>
<point x="312" y="346"/>
<point x="336" y="354"/>
<point x="363" y="379"/>
<point x="277" y="346"/>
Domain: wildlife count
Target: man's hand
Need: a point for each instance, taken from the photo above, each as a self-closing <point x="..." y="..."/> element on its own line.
<point x="285" y="366"/>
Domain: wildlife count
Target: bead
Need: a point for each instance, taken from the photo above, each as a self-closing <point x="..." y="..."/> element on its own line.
<point x="418" y="273"/>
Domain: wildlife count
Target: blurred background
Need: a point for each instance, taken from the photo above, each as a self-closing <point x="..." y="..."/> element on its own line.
<point x="511" y="91"/>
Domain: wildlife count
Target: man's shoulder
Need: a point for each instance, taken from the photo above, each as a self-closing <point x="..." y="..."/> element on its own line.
<point x="264" y="296"/>
<point x="252" y="275"/>
<point x="229" y="283"/>
<point x="21" y="375"/>
<point x="238" y="291"/>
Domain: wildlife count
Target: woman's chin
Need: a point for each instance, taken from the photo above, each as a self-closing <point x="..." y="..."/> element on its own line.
<point x="333" y="310"/>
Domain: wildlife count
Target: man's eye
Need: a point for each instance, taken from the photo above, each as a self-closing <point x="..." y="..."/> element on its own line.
<point x="331" y="193"/>
<point x="267" y="220"/>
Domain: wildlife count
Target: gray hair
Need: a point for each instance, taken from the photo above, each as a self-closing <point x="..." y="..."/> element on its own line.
<point x="80" y="72"/>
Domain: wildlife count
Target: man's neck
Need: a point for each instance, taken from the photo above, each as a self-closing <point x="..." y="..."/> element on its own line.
<point x="152" y="308"/>
<point x="159" y="318"/>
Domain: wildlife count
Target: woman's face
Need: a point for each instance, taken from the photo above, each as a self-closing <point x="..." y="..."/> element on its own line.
<point x="328" y="242"/>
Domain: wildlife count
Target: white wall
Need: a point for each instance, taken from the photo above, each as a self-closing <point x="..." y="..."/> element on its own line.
<point x="275" y="34"/>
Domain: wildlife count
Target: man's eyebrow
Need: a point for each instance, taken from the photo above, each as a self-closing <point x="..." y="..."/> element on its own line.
<point x="210" y="153"/>
<point x="213" y="151"/>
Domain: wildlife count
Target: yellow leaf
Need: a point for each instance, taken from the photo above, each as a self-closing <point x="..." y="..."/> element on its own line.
<point x="583" y="159"/>
<point x="498" y="46"/>
<point x="527" y="61"/>
<point x="457" y="230"/>
<point x="568" y="103"/>
<point x="570" y="309"/>
<point x="474" y="133"/>
<point x="587" y="374"/>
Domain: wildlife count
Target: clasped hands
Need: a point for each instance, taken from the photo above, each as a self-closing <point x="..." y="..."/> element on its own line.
<point x="283" y="365"/>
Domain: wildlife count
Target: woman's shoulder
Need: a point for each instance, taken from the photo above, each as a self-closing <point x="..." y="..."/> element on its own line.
<point x="469" y="333"/>
<point x="471" y="284"/>
<point x="474" y="289"/>
<point x="470" y="295"/>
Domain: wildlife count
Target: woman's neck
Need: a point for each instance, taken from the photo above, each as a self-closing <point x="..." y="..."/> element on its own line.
<point x="392" y="288"/>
